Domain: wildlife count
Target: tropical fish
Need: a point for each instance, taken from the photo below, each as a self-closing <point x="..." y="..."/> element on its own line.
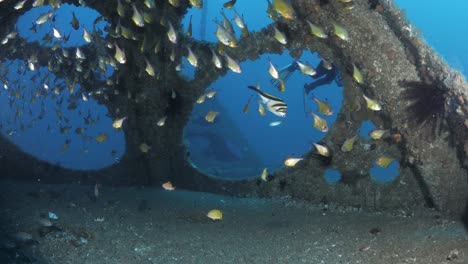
<point x="171" y="33"/>
<point x="291" y="162"/>
<point x="348" y="144"/>
<point x="44" y="18"/>
<point x="215" y="59"/>
<point x="56" y="33"/>
<point x="229" y="4"/>
<point x="189" y="29"/>
<point x="357" y="76"/>
<point x="377" y="133"/>
<point x="215" y="215"/>
<point x="225" y="37"/>
<point x="174" y="3"/>
<point x="372" y="104"/>
<point x="322" y="150"/>
<point x="137" y="17"/>
<point x="279" y="36"/>
<point x="227" y="24"/>
<point x="168" y="186"/>
<point x="340" y="32"/>
<point x="149" y="68"/>
<point x="196" y="3"/>
<point x="37" y="3"/>
<point x="238" y="20"/>
<point x="246" y="107"/>
<point x="162" y="121"/>
<point x="271" y="12"/>
<point x="384" y="162"/>
<point x="320" y="123"/>
<point x="264" y="174"/>
<point x="192" y="59"/>
<point x="144" y="148"/>
<point x="101" y="137"/>
<point x="274" y="104"/>
<point x="201" y="99"/>
<point x="306" y="69"/>
<point x="210" y="116"/>
<point x="316" y="30"/>
<point x="273" y="71"/>
<point x="119" y="54"/>
<point x="74" y="23"/>
<point x="150" y="4"/>
<point x="282" y="86"/>
<point x="117" y="124"/>
<point x="275" y="123"/>
<point x="120" y="9"/>
<point x="284" y="8"/>
<point x="323" y="107"/>
<point x="19" y="5"/>
<point x="261" y="108"/>
<point x="232" y="64"/>
<point x="86" y="36"/>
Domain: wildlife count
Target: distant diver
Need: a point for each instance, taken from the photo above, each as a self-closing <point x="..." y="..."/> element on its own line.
<point x="325" y="68"/>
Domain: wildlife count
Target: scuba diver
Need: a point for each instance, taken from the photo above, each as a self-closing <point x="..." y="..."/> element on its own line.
<point x="325" y="68"/>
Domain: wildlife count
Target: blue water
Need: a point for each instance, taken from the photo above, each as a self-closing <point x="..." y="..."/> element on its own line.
<point x="273" y="144"/>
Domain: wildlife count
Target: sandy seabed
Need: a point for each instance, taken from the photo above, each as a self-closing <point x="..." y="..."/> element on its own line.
<point x="150" y="225"/>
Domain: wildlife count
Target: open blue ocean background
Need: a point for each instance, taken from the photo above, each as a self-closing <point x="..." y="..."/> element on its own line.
<point x="442" y="25"/>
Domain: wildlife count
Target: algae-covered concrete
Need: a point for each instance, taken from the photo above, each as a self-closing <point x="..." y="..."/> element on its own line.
<point x="394" y="60"/>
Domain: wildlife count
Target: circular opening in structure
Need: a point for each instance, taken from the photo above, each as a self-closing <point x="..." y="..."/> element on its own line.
<point x="48" y="115"/>
<point x="240" y="142"/>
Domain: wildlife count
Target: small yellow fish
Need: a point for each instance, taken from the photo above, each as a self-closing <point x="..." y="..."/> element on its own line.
<point x="316" y="30"/>
<point x="192" y="59"/>
<point x="377" y="133"/>
<point x="306" y="69"/>
<point x="340" y="32"/>
<point x="279" y="36"/>
<point x="101" y="137"/>
<point x="384" y="162"/>
<point x="137" y="17"/>
<point x="273" y="71"/>
<point x="261" y="109"/>
<point x="189" y="29"/>
<point x="171" y="33"/>
<point x="282" y="86"/>
<point x="320" y="123"/>
<point x="215" y="215"/>
<point x="229" y="4"/>
<point x="117" y="124"/>
<point x="232" y="64"/>
<point x="238" y="20"/>
<point x="348" y="144"/>
<point x="144" y="148"/>
<point x="323" y="107"/>
<point x="284" y="8"/>
<point x="225" y="37"/>
<point x="215" y="59"/>
<point x="291" y="162"/>
<point x="264" y="174"/>
<point x="357" y="76"/>
<point x="19" y="5"/>
<point x="162" y="121"/>
<point x="372" y="104"/>
<point x="120" y="9"/>
<point x="149" y="68"/>
<point x="271" y="12"/>
<point x="246" y="107"/>
<point x="322" y="150"/>
<point x="275" y="123"/>
<point x="210" y="116"/>
<point x="86" y="36"/>
<point x="211" y="94"/>
<point x="168" y="186"/>
<point x="201" y="99"/>
<point x="119" y="54"/>
<point x="174" y="3"/>
<point x="196" y="3"/>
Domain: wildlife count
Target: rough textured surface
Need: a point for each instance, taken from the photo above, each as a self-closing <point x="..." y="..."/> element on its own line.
<point x="383" y="45"/>
<point x="149" y="225"/>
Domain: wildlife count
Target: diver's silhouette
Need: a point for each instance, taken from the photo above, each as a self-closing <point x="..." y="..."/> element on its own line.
<point x="324" y="68"/>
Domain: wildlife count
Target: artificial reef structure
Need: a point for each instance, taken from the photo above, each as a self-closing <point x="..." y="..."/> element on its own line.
<point x="423" y="99"/>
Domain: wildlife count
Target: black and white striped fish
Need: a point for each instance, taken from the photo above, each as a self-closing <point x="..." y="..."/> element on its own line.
<point x="272" y="103"/>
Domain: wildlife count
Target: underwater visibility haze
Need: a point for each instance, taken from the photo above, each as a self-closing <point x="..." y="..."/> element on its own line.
<point x="233" y="131"/>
